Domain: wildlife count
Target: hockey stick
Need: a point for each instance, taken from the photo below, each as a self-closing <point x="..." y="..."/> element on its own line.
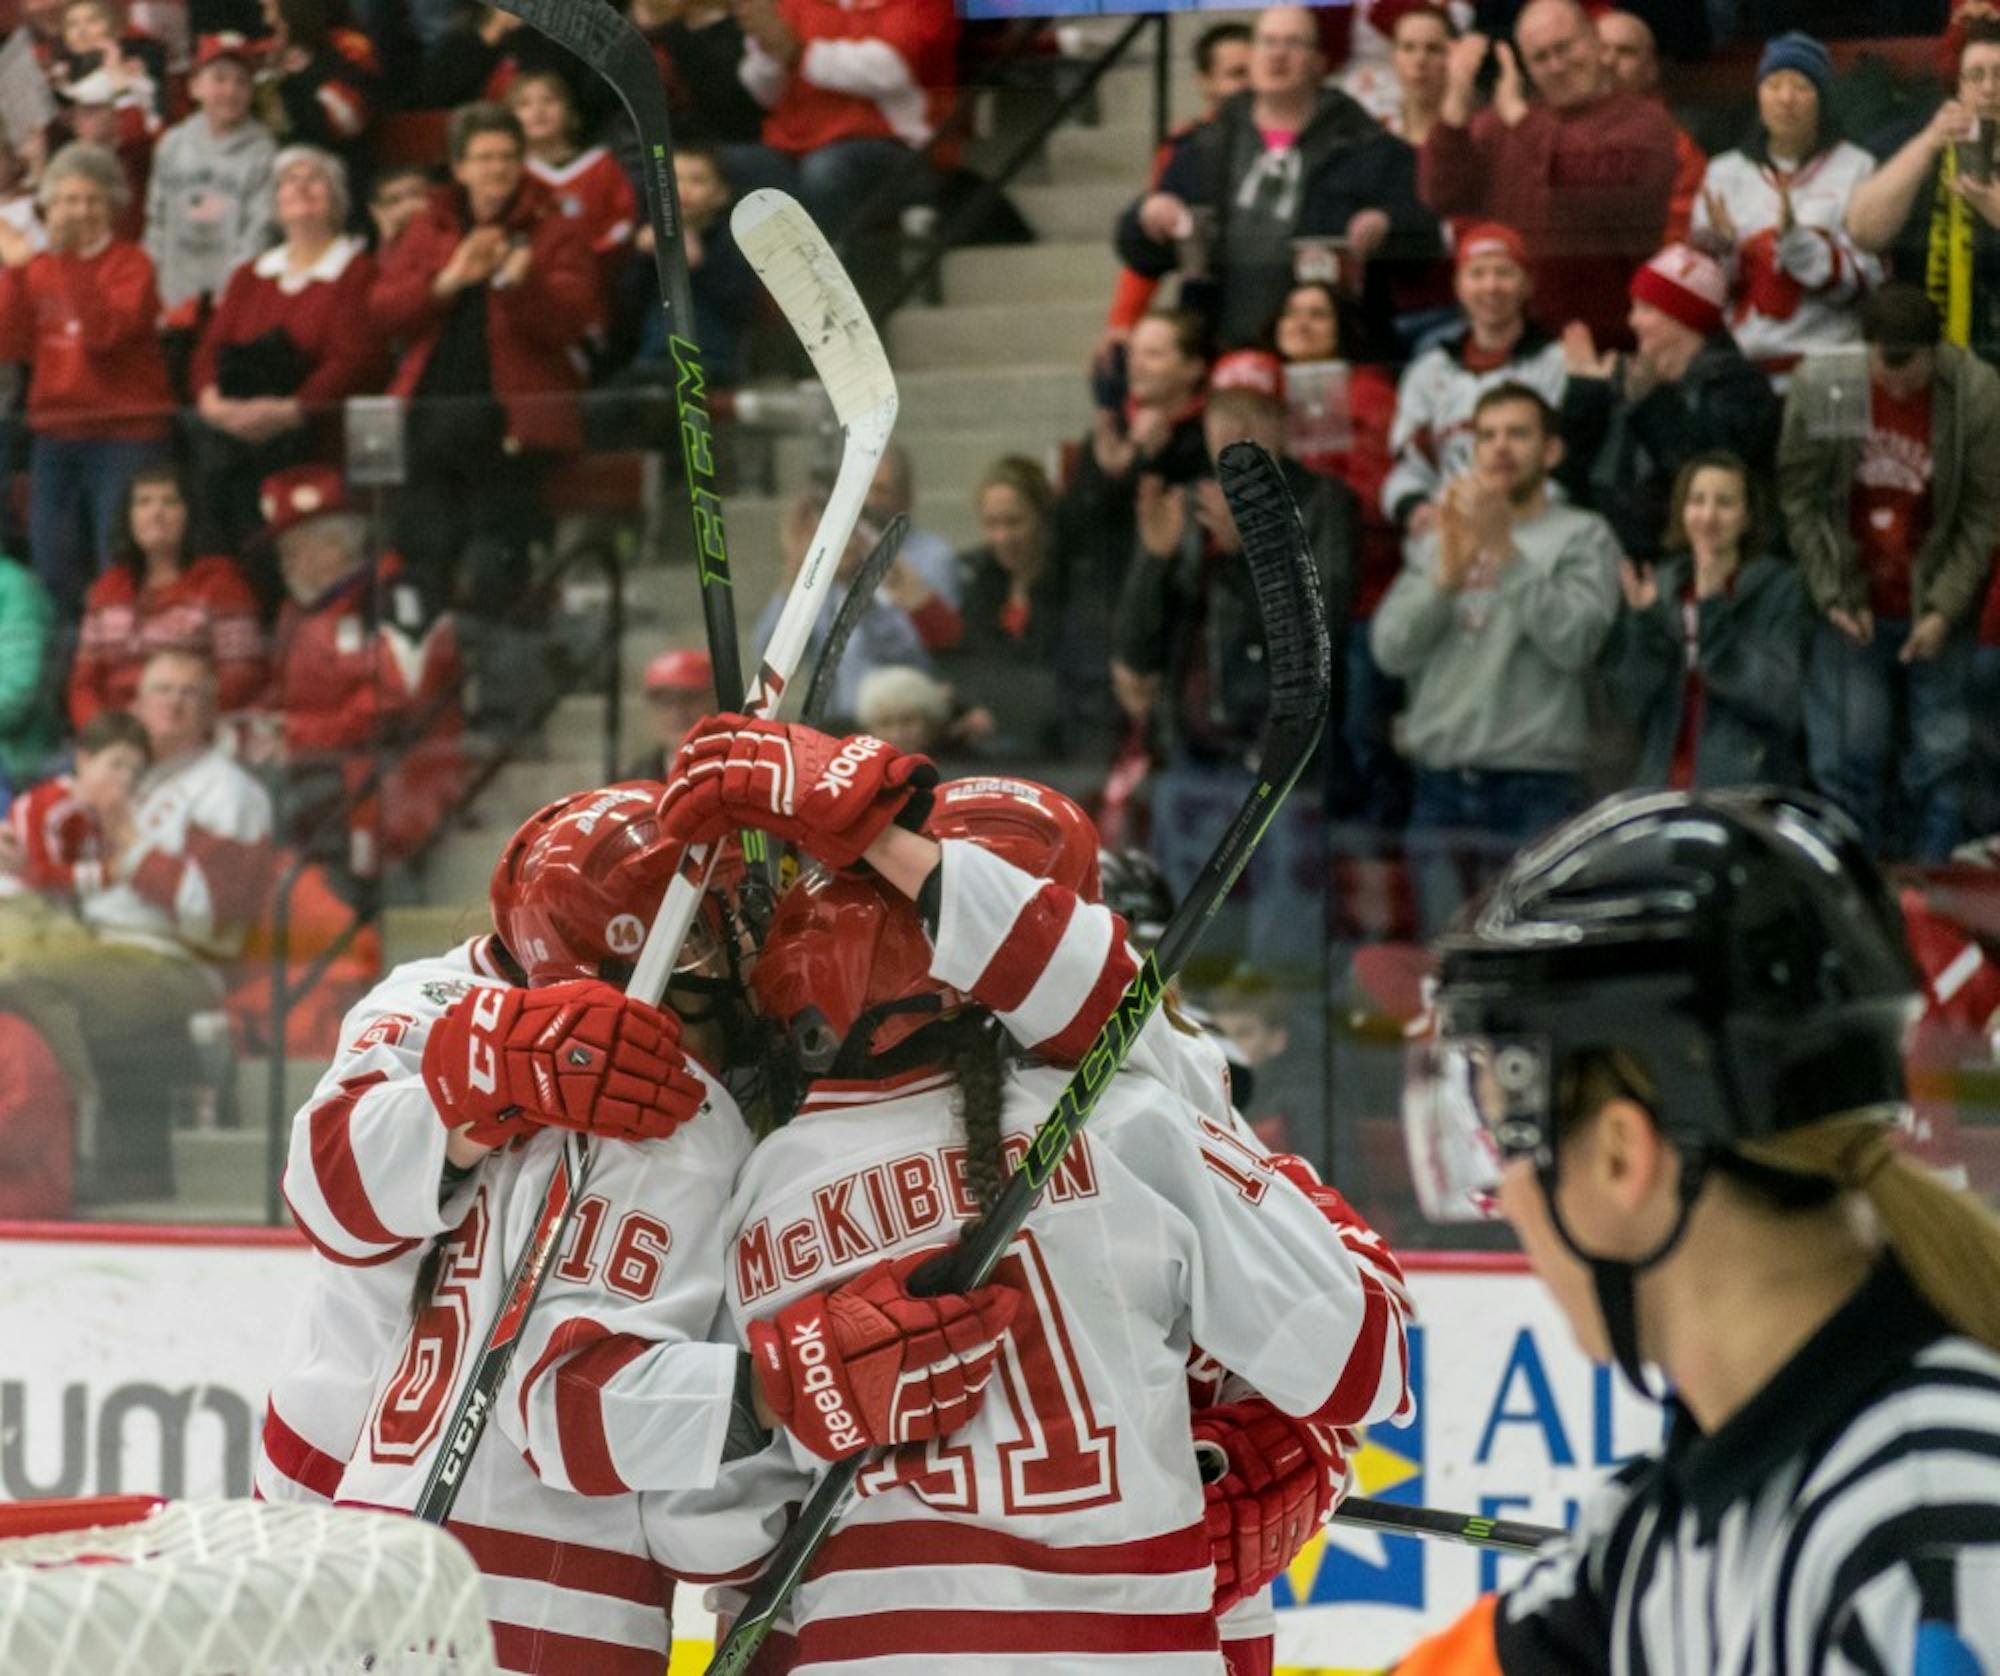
<point x="853" y="607"/>
<point x="611" y="44"/>
<point x="1513" y="1536"/>
<point x="1286" y="579"/>
<point x="795" y="261"/>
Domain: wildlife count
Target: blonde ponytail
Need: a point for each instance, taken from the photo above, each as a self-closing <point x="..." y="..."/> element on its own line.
<point x="1947" y="1241"/>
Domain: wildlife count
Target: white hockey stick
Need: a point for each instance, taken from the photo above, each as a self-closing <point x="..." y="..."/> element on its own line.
<point x="798" y="266"/>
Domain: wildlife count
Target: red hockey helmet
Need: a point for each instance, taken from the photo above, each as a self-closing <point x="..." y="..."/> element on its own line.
<point x="1033" y="826"/>
<point x="845" y="951"/>
<point x="576" y="888"/>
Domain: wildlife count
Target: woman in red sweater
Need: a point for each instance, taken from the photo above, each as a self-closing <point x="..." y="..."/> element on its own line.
<point x="157" y="597"/>
<point x="288" y="343"/>
<point x="83" y="314"/>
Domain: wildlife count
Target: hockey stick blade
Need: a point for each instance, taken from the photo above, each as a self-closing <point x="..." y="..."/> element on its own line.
<point x="1286" y="580"/>
<point x="804" y="276"/>
<point x="1512" y="1536"/>
<point x="853" y="607"/>
<point x="612" y="45"/>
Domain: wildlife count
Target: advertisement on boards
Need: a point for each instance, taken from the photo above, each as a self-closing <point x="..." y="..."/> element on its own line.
<point x="140" y="1363"/>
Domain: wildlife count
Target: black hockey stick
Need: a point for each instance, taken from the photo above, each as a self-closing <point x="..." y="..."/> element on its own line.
<point x="860" y="594"/>
<point x="611" y="44"/>
<point x="1514" y="1536"/>
<point x="1286" y="578"/>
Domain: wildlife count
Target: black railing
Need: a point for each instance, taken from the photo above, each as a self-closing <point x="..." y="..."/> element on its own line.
<point x="284" y="993"/>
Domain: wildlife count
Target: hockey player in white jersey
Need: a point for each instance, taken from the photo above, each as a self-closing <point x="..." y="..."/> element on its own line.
<point x="1669" y="1049"/>
<point x="442" y="1134"/>
<point x="852" y="974"/>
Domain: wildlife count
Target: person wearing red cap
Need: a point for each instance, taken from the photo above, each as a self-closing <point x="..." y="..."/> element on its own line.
<point x="360" y="680"/>
<point x="206" y="199"/>
<point x="1631" y="421"/>
<point x="680" y="690"/>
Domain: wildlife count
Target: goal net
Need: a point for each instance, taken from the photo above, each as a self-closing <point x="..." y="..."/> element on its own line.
<point x="133" y="1586"/>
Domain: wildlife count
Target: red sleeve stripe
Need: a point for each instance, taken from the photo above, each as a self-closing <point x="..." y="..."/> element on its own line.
<point x="885" y="1546"/>
<point x="346" y="1259"/>
<point x="1074" y="972"/>
<point x="336" y="1171"/>
<point x="1353" y="1394"/>
<point x="574" y="1334"/>
<point x="566" y="1565"/>
<point x="978" y="908"/>
<point x="580" y="1383"/>
<point x="1072" y="1042"/>
<point x="1019" y="962"/>
<point x="934" y="1634"/>
<point x="309" y="1468"/>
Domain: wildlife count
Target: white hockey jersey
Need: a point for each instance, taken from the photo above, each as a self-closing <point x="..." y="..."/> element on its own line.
<point x="1431" y="439"/>
<point x="612" y="1388"/>
<point x="1062" y="1530"/>
<point x="1792" y="295"/>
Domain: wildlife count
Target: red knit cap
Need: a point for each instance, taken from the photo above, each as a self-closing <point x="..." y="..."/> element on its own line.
<point x="680" y="669"/>
<point x="1489" y="238"/>
<point x="1250" y="369"/>
<point x="298" y="493"/>
<point x="1682" y="282"/>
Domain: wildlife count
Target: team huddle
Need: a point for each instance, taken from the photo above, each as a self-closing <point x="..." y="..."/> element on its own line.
<point x="1098" y="1460"/>
<point x="1666" y="1046"/>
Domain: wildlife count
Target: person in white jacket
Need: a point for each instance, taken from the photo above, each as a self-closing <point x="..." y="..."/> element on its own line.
<point x="1774" y="210"/>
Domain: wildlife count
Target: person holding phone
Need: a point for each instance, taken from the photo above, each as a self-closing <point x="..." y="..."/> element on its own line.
<point x="1933" y="205"/>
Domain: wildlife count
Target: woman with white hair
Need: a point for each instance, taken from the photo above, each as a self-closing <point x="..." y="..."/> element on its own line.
<point x="904" y="705"/>
<point x="285" y="347"/>
<point x="82" y="315"/>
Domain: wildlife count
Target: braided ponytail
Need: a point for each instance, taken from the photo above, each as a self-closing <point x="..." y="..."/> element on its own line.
<point x="978" y="1059"/>
<point x="1947" y="1241"/>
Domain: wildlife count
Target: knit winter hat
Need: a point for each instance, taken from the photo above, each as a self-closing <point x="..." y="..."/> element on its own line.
<point x="1796" y="50"/>
<point x="1250" y="369"/>
<point x="1489" y="238"/>
<point x="1684" y="283"/>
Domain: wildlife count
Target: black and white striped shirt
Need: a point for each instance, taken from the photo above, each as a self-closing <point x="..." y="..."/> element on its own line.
<point x="1845" y="1521"/>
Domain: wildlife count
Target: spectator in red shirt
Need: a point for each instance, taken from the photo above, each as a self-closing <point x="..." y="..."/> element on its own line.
<point x="362" y="681"/>
<point x="592" y="189"/>
<point x="491" y="290"/>
<point x="1893" y="509"/>
<point x="286" y="346"/>
<point x="83" y="314"/>
<point x="158" y="595"/>
<point x="1584" y="173"/>
<point x="1706" y="657"/>
<point x="850" y="88"/>
<point x="1632" y="65"/>
<point x="67" y="833"/>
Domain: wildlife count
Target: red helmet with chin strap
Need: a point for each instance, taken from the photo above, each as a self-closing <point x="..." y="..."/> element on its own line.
<point x="576" y="888"/>
<point x="845" y="950"/>
<point x="1033" y="826"/>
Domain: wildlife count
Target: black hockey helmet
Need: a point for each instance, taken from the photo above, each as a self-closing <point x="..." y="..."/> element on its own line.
<point x="1740" y="946"/>
<point x="1137" y="891"/>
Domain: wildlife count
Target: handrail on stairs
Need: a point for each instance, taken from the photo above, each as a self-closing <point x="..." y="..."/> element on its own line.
<point x="285" y="994"/>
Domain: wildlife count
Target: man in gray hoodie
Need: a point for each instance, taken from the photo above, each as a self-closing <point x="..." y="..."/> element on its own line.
<point x="208" y="205"/>
<point x="1495" y="623"/>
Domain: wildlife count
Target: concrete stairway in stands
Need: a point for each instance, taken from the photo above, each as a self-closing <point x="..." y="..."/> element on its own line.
<point x="998" y="367"/>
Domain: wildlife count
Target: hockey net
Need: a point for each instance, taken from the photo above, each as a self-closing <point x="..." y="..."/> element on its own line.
<point x="124" y="1585"/>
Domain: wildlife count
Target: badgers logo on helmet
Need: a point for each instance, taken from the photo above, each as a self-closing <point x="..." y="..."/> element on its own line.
<point x="624" y="934"/>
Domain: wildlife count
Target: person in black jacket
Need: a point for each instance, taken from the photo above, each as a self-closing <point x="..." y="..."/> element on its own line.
<point x="1708" y="655"/>
<point x="1631" y="422"/>
<point x="1286" y="160"/>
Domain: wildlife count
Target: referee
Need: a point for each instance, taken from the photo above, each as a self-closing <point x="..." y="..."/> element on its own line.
<point x="1668" y="1051"/>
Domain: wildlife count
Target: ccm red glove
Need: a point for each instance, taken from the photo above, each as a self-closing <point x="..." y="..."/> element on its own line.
<point x="830" y="797"/>
<point x="868" y="1364"/>
<point x="576" y="1055"/>
<point x="1272" y="1480"/>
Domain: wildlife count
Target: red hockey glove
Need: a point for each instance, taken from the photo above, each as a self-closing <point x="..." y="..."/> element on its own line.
<point x="868" y="1364"/>
<point x="830" y="797"/>
<point x="1278" y="1480"/>
<point x="574" y="1055"/>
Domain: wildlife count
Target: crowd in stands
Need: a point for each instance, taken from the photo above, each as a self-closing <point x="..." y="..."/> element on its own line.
<point x="1632" y="367"/>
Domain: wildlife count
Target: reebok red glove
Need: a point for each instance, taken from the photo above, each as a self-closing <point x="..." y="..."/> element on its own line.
<point x="867" y="1364"/>
<point x="830" y="797"/>
<point x="1272" y="1482"/>
<point x="576" y="1055"/>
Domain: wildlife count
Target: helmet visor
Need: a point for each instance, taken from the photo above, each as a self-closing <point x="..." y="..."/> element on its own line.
<point x="1471" y="1105"/>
